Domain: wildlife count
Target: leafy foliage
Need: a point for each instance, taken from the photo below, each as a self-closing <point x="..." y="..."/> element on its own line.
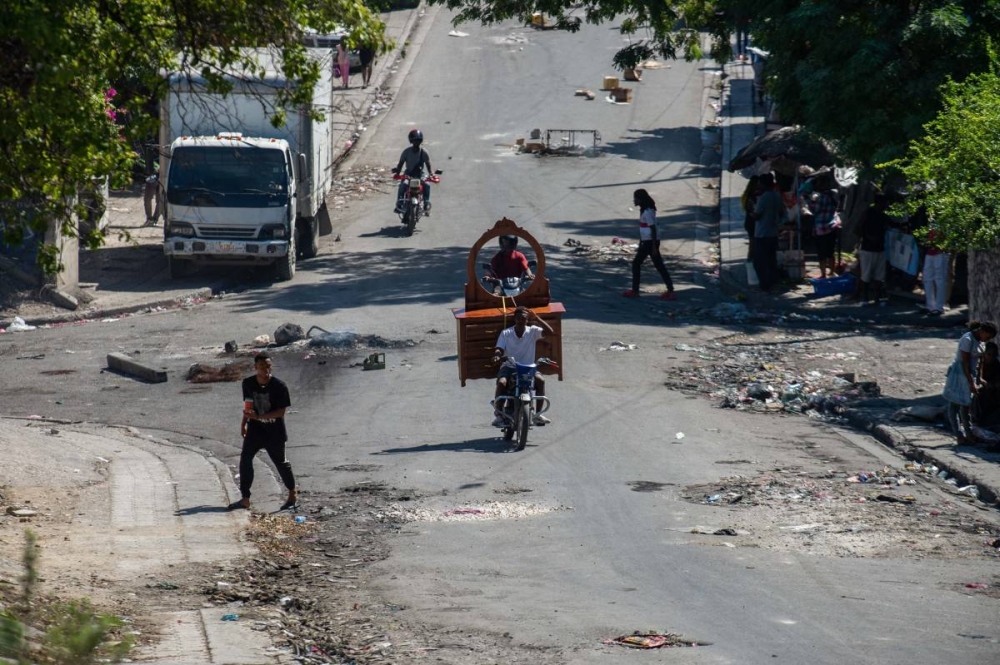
<point x="958" y="163"/>
<point x="79" y="80"/>
<point x="76" y="634"/>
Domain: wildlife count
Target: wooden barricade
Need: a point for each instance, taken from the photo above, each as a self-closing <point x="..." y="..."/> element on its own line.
<point x="485" y="315"/>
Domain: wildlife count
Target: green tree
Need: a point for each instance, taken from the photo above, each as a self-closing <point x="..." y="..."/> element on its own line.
<point x="956" y="165"/>
<point x="77" y="78"/>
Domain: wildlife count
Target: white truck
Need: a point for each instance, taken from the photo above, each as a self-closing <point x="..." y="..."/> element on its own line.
<point x="237" y="189"/>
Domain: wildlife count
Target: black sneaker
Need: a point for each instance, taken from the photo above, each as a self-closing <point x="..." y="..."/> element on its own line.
<point x="427" y="208"/>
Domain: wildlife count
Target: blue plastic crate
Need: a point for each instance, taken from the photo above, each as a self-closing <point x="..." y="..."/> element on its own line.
<point x="832" y="286"/>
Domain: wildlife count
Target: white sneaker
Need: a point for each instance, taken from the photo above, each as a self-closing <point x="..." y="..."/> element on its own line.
<point x="541" y="420"/>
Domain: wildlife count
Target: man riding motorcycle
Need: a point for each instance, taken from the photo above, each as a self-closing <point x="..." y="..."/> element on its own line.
<point x="517" y="343"/>
<point x="508" y="262"/>
<point x="413" y="159"/>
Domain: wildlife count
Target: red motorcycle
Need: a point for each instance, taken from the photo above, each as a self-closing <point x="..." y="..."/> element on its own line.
<point x="412" y="207"/>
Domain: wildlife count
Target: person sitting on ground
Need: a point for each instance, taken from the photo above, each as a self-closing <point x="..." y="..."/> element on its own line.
<point x="508" y="262"/>
<point x="517" y="345"/>
<point x="872" y="254"/>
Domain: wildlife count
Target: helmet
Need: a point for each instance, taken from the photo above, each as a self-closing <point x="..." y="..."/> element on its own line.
<point x="508" y="241"/>
<point x="416" y="136"/>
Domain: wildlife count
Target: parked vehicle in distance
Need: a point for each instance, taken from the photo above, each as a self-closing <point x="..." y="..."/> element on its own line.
<point x="238" y="190"/>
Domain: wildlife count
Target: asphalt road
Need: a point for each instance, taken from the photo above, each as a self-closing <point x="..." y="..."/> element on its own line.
<point x="607" y="559"/>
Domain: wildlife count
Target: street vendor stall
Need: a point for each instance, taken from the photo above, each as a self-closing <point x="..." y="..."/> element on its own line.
<point x="485" y="314"/>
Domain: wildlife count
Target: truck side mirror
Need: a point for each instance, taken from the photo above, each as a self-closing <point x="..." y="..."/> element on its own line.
<point x="302" y="167"/>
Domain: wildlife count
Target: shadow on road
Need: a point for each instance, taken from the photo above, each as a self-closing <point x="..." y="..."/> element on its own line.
<point x="200" y="510"/>
<point x="492" y="444"/>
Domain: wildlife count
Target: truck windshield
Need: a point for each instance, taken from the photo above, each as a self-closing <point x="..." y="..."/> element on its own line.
<point x="241" y="177"/>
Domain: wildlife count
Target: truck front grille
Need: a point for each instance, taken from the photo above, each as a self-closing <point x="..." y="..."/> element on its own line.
<point x="227" y="231"/>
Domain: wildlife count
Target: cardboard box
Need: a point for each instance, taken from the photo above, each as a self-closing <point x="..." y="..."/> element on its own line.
<point x="622" y="95"/>
<point x="610" y="82"/>
<point x="538" y="19"/>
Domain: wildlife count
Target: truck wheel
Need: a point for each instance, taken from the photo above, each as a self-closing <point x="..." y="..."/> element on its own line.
<point x="285" y="266"/>
<point x="309" y="237"/>
<point x="179" y="267"/>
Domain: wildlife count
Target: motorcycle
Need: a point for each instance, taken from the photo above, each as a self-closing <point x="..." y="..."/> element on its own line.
<point x="507" y="286"/>
<point x="413" y="198"/>
<point x="516" y="408"/>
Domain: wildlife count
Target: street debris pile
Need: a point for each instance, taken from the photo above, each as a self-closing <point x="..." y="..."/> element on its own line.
<point x="491" y="510"/>
<point x="759" y="377"/>
<point x="309" y="589"/>
<point x="878" y="512"/>
<point x="233" y="371"/>
<point x="619" y="251"/>
<point x="651" y="640"/>
<point x="360" y="182"/>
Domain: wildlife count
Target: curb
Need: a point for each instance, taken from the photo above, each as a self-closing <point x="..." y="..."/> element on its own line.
<point x="90" y="314"/>
<point x="893" y="438"/>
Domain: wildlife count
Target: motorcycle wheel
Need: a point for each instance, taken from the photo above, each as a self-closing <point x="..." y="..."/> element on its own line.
<point x="508" y="433"/>
<point x="523" y="423"/>
<point x="410" y="220"/>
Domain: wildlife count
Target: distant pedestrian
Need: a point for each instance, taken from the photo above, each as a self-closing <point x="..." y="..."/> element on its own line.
<point x="649" y="246"/>
<point x="936" y="262"/>
<point x="768" y="214"/>
<point x="826" y="228"/>
<point x="748" y="201"/>
<point x="961" y="384"/>
<point x="152" y="197"/>
<point x="367" y="53"/>
<point x="344" y="62"/>
<point x="872" y="229"/>
<point x="265" y="398"/>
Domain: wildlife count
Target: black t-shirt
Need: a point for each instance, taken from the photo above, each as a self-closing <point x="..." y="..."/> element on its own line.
<point x="873" y="228"/>
<point x="266" y="399"/>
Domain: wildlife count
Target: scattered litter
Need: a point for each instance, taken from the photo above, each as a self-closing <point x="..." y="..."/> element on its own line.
<point x="458" y="33"/>
<point x="262" y="340"/>
<point x="231" y="346"/>
<point x="18" y="325"/>
<point x="230" y="617"/>
<point x="300" y="519"/>
<point x="642" y="640"/>
<point x="21" y="512"/>
<point x="491" y="510"/>
<point x="163" y="585"/>
<point x="679" y="436"/>
<point x="889" y="498"/>
<point x="976" y="585"/>
<point x="619" y="346"/>
<point x="688" y="347"/>
<point x="708" y="531"/>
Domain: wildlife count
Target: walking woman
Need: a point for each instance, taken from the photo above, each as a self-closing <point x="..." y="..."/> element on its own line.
<point x="961" y="382"/>
<point x="649" y="245"/>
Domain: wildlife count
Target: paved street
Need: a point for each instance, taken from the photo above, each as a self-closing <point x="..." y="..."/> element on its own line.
<point x="601" y="526"/>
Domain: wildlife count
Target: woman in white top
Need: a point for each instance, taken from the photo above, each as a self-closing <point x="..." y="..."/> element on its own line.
<point x="961" y="383"/>
<point x="649" y="245"/>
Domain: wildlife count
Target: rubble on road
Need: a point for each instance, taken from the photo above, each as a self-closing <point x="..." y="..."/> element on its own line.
<point x="875" y="512"/>
<point x="649" y="640"/>
<point x="202" y="373"/>
<point x="757" y="377"/>
<point x="619" y="251"/>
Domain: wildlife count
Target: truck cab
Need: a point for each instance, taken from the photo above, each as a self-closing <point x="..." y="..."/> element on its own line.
<point x="230" y="200"/>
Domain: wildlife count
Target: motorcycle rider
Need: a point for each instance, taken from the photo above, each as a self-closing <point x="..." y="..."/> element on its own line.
<point x="518" y="344"/>
<point x="414" y="159"/>
<point x="508" y="262"/>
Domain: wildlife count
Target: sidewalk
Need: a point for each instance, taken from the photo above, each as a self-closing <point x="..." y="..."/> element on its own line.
<point x="129" y="275"/>
<point x="923" y="442"/>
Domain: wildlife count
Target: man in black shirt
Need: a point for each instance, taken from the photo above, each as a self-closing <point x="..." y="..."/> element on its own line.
<point x="872" y="255"/>
<point x="265" y="399"/>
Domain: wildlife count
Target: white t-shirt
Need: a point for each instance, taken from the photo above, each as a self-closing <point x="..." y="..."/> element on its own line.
<point x="521" y="349"/>
<point x="647" y="222"/>
<point x="971" y="345"/>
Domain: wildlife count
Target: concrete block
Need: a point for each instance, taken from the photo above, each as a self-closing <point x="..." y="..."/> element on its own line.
<point x="126" y="365"/>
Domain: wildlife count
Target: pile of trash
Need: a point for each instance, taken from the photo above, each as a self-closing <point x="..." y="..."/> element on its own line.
<point x="359" y="182"/>
<point x="753" y="378"/>
<point x="619" y="251"/>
